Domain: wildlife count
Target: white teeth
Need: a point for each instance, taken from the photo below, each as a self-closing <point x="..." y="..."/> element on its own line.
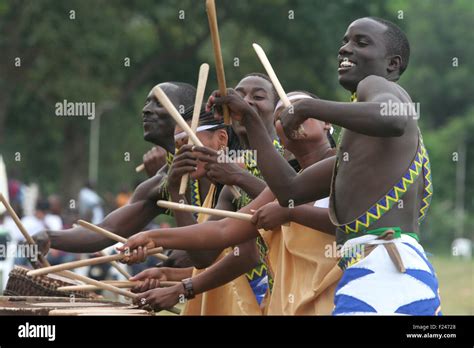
<point x="346" y="63"/>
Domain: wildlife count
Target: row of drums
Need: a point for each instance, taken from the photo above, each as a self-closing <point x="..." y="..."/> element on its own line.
<point x="38" y="295"/>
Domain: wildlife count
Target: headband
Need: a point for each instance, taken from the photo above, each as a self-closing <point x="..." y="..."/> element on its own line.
<point x="182" y="135"/>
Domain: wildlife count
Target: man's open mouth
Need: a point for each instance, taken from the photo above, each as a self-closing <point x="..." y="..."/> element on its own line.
<point x="346" y="64"/>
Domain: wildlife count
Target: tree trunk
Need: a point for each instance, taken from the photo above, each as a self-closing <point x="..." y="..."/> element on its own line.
<point x="73" y="161"/>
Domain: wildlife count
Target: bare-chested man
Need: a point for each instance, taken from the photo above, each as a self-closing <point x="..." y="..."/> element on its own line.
<point x="380" y="186"/>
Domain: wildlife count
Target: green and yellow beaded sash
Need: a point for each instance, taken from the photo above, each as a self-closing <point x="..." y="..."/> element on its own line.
<point x="420" y="164"/>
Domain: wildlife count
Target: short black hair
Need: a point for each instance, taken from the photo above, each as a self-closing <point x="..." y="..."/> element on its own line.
<point x="186" y="93"/>
<point x="396" y="42"/>
<point x="265" y="77"/>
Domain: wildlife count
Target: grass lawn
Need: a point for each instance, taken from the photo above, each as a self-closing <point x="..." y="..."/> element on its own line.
<point x="456" y="283"/>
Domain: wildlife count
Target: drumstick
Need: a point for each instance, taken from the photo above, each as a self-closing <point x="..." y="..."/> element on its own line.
<point x="195" y="209"/>
<point x="83" y="263"/>
<point x="119" y="285"/>
<point x="23" y="230"/>
<point x="102" y="231"/>
<point x="276" y="83"/>
<point x="101" y="285"/>
<point x="115" y="265"/>
<point x="168" y="105"/>
<point x="216" y="44"/>
<point x="111" y="235"/>
<point x="108" y="287"/>
<point x="201" y="87"/>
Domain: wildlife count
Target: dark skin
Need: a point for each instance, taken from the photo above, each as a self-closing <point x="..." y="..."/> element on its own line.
<point x="187" y="162"/>
<point x="258" y="96"/>
<point x="154" y="160"/>
<point x="216" y="233"/>
<point x="386" y="145"/>
<point x="157" y="127"/>
<point x="190" y="162"/>
<point x="313" y="148"/>
<point x="380" y="148"/>
<point x="142" y="208"/>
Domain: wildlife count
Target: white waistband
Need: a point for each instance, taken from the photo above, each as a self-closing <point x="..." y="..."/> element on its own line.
<point x="372" y="240"/>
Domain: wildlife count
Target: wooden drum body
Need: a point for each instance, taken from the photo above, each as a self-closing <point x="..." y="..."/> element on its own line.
<point x="21" y="284"/>
<point x="65" y="306"/>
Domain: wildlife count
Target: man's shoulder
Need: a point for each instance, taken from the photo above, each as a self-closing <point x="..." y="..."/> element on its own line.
<point x="373" y="85"/>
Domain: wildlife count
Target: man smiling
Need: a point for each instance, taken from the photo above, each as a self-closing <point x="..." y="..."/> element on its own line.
<point x="381" y="184"/>
<point x="380" y="187"/>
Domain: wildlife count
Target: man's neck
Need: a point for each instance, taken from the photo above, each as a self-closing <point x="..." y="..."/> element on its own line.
<point x="168" y="145"/>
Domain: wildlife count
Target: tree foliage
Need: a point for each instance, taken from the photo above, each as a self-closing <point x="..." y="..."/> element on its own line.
<point x="84" y="59"/>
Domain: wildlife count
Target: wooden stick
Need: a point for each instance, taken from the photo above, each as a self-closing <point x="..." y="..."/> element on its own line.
<point x="195" y="209"/>
<point x="112" y="236"/>
<point x="142" y="166"/>
<point x="168" y="105"/>
<point x="115" y="265"/>
<point x="201" y="87"/>
<point x="99" y="284"/>
<point x="276" y="83"/>
<point x="23" y="230"/>
<point x="108" y="287"/>
<point x="119" y="285"/>
<point x="102" y="231"/>
<point x="83" y="263"/>
<point x="216" y="44"/>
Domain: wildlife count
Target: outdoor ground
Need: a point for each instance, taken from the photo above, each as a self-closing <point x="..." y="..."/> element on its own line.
<point x="456" y="282"/>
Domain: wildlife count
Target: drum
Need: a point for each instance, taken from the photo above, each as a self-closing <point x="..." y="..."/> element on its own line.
<point x="21" y="284"/>
<point x="41" y="305"/>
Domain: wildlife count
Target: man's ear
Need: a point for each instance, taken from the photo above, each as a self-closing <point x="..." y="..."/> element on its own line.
<point x="394" y="64"/>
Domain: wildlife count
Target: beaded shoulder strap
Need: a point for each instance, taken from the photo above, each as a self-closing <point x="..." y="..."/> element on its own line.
<point x="420" y="164"/>
<point x="384" y="204"/>
<point x="427" y="184"/>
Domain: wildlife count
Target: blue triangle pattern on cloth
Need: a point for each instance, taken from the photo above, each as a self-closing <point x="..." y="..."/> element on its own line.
<point x="346" y="304"/>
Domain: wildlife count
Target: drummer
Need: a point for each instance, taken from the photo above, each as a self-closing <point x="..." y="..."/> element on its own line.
<point x="158" y="128"/>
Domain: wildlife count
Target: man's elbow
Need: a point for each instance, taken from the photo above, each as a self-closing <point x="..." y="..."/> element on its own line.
<point x="396" y="126"/>
<point x="284" y="198"/>
<point x="251" y="259"/>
